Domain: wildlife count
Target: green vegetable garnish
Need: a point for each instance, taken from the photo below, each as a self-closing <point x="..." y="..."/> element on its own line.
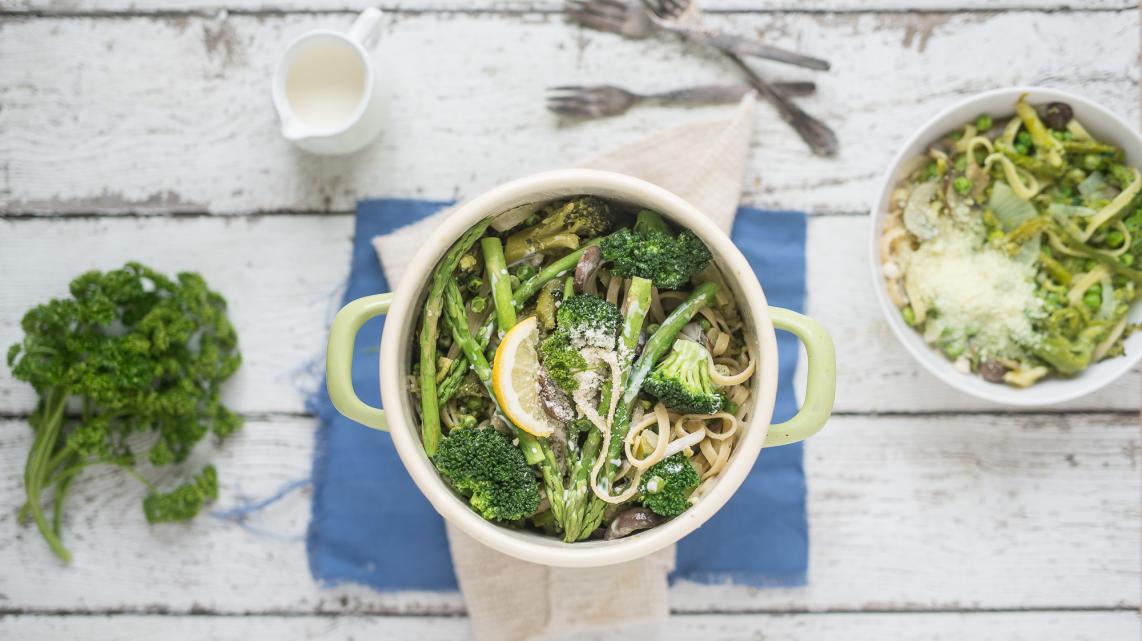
<point x="134" y="352"/>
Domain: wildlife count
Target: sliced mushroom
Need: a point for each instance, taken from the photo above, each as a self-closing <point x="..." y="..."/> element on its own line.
<point x="1057" y="115"/>
<point x="555" y="402"/>
<point x="693" y="331"/>
<point x="587" y="266"/>
<point x="631" y="521"/>
<point x="992" y="371"/>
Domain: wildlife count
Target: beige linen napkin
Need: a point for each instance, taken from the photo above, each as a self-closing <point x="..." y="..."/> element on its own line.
<point x="511" y="600"/>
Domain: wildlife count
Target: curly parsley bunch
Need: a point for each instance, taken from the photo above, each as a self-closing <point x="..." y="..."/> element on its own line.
<point x="131" y="351"/>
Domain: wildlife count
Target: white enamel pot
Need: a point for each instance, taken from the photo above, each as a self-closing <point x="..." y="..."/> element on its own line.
<point x="402" y="309"/>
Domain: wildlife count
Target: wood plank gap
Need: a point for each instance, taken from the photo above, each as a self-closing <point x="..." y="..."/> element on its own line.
<point x="200" y="612"/>
<point x="535" y="11"/>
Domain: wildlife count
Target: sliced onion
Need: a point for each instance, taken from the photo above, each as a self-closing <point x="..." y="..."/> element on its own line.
<point x="919" y="218"/>
<point x="1009" y="208"/>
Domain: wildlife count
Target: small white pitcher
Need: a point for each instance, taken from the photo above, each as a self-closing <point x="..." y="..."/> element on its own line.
<point x="325" y="88"/>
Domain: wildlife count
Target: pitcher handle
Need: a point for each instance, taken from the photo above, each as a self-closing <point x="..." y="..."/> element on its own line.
<point x="821" y="388"/>
<point x="366" y="29"/>
<point x="339" y="360"/>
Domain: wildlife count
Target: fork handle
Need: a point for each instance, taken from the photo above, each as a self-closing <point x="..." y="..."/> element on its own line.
<point x="815" y="133"/>
<point x="747" y="46"/>
<point x="720" y="94"/>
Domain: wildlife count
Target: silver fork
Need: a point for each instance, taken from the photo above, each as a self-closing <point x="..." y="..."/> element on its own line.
<point x="631" y="20"/>
<point x="820" y="138"/>
<point x="597" y="101"/>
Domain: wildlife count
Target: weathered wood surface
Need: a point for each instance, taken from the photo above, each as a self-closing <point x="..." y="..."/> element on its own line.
<point x="928" y="520"/>
<point x="979" y="512"/>
<point x="64" y="7"/>
<point x="283" y="277"/>
<point x="1015" y="626"/>
<point x="90" y="125"/>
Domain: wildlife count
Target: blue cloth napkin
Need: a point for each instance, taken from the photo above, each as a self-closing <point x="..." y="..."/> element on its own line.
<point x="370" y="525"/>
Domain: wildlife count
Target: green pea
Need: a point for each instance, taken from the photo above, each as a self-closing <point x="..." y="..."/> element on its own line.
<point x="1053" y="299"/>
<point x="960" y="163"/>
<point x="983" y="123"/>
<point x="956" y="135"/>
<point x="514" y="280"/>
<point x="931" y="171"/>
<point x="473" y="403"/>
<point x="732" y="407"/>
<point x="704" y="324"/>
<point x="467" y="421"/>
<point x="962" y="185"/>
<point x="1092" y="299"/>
<point x="1022" y="149"/>
<point x="1091" y="162"/>
<point x="1126" y="259"/>
<point x="1115" y="239"/>
<point x="1089" y="264"/>
<point x="909" y="316"/>
<point x="1024" y="138"/>
<point x="996" y="235"/>
<point x="954" y="350"/>
<point x="525" y="272"/>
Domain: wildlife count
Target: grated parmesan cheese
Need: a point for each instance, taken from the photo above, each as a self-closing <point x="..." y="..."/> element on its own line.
<point x="979" y="294"/>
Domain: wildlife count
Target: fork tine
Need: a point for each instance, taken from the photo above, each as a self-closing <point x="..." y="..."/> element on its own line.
<point x="569" y="112"/>
<point x="600" y="7"/>
<point x="621" y="5"/>
<point x="594" y="21"/>
<point x="616" y="10"/>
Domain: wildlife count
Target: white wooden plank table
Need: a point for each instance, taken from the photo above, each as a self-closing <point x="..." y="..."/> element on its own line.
<point x="143" y="130"/>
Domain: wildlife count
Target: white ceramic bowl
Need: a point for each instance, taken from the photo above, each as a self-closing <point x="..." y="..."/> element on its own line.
<point x="403" y="310"/>
<point x="1000" y="103"/>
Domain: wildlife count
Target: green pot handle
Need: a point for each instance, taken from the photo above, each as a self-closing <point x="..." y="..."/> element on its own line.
<point x="339" y="359"/>
<point x="822" y="384"/>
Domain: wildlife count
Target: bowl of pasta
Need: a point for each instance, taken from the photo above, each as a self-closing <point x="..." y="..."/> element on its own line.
<point x="1007" y="246"/>
<point x="582" y="371"/>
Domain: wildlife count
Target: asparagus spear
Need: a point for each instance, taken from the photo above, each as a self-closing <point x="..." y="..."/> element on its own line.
<point x="497" y="270"/>
<point x="658" y="344"/>
<point x="584" y="510"/>
<point x="527" y="289"/>
<point x="536" y="451"/>
<point x="429" y="406"/>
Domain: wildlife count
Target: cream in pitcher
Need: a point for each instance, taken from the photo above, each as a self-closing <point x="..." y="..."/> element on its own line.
<point x="325" y="88"/>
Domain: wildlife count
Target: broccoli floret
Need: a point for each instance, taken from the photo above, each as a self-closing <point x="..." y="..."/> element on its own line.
<point x="581" y="321"/>
<point x="651" y="251"/>
<point x="682" y="380"/>
<point x="483" y="465"/>
<point x="667" y="485"/>
<point x="589" y="321"/>
<point x="585" y="217"/>
<point x="561" y="361"/>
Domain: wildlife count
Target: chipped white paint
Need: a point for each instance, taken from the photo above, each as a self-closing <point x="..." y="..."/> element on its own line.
<point x="516" y="6"/>
<point x="91" y="125"/>
<point x="1020" y="626"/>
<point x="907" y="513"/>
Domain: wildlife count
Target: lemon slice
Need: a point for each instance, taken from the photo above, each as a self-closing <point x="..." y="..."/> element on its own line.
<point x="515" y="379"/>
